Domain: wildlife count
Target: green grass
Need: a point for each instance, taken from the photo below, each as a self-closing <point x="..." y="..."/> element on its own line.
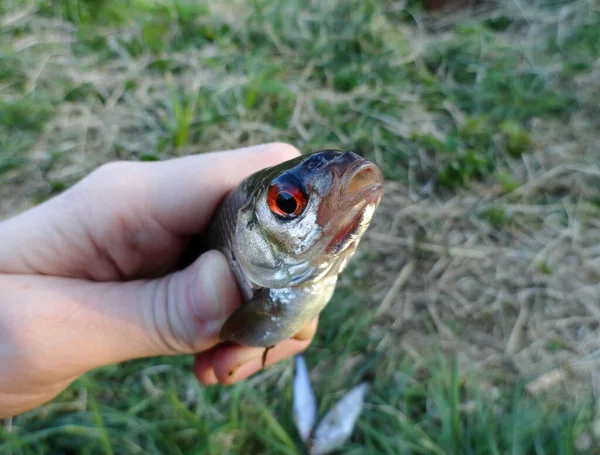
<point x="436" y="409"/>
<point x="457" y="108"/>
<point x="349" y="48"/>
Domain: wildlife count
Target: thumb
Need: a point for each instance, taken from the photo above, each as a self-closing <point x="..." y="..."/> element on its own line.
<point x="74" y="325"/>
<point x="182" y="313"/>
<point x="54" y="329"/>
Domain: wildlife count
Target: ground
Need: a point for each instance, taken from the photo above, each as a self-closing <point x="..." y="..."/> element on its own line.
<point x="474" y="296"/>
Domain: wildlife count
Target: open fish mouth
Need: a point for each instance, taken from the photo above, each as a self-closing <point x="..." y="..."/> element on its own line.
<point x="360" y="193"/>
<point x="363" y="178"/>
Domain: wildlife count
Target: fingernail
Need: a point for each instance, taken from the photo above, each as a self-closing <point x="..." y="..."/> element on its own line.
<point x="217" y="287"/>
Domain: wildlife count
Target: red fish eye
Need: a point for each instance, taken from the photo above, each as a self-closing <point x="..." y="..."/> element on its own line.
<point x="286" y="200"/>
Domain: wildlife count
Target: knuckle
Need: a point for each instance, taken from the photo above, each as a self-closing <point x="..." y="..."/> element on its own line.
<point x="115" y="177"/>
<point x="112" y="170"/>
<point x="285" y="150"/>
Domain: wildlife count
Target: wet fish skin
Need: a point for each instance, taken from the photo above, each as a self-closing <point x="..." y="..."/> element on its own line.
<point x="287" y="264"/>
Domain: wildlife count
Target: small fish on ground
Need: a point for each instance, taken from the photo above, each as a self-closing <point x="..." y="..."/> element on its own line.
<point x="336" y="428"/>
<point x="305" y="402"/>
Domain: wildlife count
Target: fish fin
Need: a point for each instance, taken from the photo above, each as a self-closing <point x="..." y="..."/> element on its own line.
<point x="253" y="323"/>
<point x="266" y="320"/>
<point x="272" y="316"/>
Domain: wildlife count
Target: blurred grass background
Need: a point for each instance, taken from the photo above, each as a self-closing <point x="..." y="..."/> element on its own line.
<point x="477" y="288"/>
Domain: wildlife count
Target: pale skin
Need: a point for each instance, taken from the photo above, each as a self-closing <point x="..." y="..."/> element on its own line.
<point x="89" y="278"/>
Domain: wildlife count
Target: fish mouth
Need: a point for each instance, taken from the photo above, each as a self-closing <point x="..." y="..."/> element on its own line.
<point x="363" y="177"/>
<point x="347" y="231"/>
<point x="361" y="185"/>
<point x="360" y="193"/>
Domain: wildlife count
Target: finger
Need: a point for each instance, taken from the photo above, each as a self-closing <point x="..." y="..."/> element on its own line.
<point x="234" y="363"/>
<point x="308" y="332"/>
<point x="72" y="326"/>
<point x="203" y="181"/>
<point x="183" y="313"/>
<point x="204" y="362"/>
<point x="203" y="367"/>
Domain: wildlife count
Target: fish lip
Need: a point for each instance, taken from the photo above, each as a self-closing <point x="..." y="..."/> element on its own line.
<point x="359" y="165"/>
<point x="372" y="191"/>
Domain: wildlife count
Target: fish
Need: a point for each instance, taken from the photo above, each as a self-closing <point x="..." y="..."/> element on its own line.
<point x="304" y="407"/>
<point x="337" y="426"/>
<point x="288" y="231"/>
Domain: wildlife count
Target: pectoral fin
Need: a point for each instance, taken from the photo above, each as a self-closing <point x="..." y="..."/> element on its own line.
<point x="274" y="315"/>
<point x="267" y="320"/>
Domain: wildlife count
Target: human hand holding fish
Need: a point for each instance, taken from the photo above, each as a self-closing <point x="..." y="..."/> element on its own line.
<point x="92" y="276"/>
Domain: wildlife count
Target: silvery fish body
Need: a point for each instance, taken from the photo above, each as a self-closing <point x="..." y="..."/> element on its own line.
<point x="288" y="231"/>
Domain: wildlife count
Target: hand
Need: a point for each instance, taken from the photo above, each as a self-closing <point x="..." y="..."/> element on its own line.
<point x="88" y="278"/>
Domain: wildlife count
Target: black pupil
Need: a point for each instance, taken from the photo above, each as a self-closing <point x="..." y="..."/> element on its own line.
<point x="286" y="202"/>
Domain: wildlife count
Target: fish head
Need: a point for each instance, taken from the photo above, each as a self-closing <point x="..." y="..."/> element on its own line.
<point x="305" y="217"/>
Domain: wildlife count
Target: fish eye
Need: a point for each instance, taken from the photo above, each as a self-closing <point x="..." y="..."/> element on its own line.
<point x="286" y="198"/>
